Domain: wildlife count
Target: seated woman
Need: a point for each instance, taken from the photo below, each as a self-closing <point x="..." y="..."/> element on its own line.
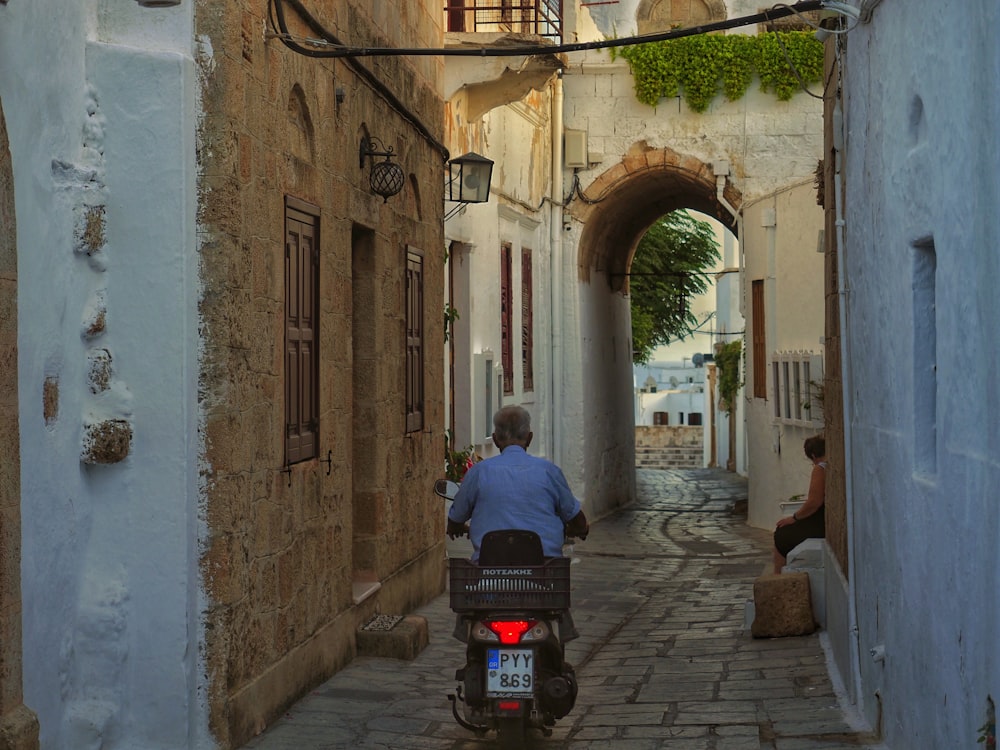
<point x="808" y="522"/>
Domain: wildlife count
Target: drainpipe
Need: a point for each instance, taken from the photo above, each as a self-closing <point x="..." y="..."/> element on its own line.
<point x="556" y="261"/>
<point x="854" y="635"/>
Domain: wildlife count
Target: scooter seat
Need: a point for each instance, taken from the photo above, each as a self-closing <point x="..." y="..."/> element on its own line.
<point x="511" y="547"/>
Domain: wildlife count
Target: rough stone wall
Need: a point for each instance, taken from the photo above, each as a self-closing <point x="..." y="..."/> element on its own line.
<point x="18" y="726"/>
<point x="668" y="436"/>
<point x="284" y="547"/>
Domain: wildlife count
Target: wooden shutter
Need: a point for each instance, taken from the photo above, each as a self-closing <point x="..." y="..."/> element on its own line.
<point x="506" y="319"/>
<point x="414" y="340"/>
<point x="527" y="323"/>
<point x="301" y="340"/>
<point x="759" y="340"/>
<point x="456" y="15"/>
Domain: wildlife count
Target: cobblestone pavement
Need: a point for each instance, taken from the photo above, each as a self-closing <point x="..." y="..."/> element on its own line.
<point x="663" y="659"/>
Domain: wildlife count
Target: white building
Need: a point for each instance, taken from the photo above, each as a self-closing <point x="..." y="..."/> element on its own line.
<point x="583" y="169"/>
<point x="917" y="180"/>
<point x="691" y="361"/>
<point x="219" y="379"/>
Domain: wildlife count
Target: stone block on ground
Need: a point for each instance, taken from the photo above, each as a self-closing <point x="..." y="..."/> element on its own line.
<point x="393" y="637"/>
<point x="782" y="606"/>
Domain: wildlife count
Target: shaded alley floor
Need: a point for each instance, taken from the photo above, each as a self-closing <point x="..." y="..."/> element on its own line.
<point x="664" y="661"/>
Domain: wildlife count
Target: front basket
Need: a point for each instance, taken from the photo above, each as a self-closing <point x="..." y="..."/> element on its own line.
<point x="506" y="587"/>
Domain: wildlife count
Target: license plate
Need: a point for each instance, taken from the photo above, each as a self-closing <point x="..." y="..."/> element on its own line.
<point x="510" y="671"/>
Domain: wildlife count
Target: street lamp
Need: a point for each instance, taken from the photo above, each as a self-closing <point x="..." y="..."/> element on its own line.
<point x="470" y="177"/>
<point x="386" y="177"/>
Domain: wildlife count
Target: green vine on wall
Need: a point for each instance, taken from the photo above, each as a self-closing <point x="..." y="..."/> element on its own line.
<point x="727" y="360"/>
<point x="450" y="316"/>
<point x="701" y="66"/>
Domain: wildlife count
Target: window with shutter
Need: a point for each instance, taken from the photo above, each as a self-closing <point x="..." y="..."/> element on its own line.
<point x="527" y="323"/>
<point x="414" y="339"/>
<point x="506" y="319"/>
<point x="301" y="339"/>
<point x="759" y="340"/>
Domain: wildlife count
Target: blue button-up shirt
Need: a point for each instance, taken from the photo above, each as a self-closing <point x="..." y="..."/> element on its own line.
<point x="515" y="491"/>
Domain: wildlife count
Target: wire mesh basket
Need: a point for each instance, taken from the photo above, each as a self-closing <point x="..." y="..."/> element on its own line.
<point x="506" y="587"/>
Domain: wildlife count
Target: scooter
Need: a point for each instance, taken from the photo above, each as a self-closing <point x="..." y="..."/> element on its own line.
<point x="513" y="615"/>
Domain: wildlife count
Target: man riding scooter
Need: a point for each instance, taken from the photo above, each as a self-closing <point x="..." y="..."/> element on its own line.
<point x="516" y="491"/>
<point x="513" y="607"/>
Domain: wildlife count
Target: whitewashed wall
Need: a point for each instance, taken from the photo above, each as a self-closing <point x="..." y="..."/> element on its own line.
<point x="730" y="319"/>
<point x="782" y="233"/>
<point x="922" y="197"/>
<point x="100" y="102"/>
<point x="607" y="453"/>
<point x="517" y="215"/>
<point x="769" y="144"/>
<point x="585" y="421"/>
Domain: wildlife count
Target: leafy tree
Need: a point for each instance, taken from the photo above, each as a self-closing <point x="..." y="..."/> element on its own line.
<point x="667" y="270"/>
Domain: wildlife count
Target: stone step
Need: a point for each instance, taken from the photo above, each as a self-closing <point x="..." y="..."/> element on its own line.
<point x="398" y="638"/>
<point x="668" y="457"/>
<point x="686" y="464"/>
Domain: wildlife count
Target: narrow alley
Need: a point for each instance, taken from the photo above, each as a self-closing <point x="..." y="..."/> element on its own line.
<point x="664" y="660"/>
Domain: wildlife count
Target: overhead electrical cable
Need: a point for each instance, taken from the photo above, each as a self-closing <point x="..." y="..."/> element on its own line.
<point x="330" y="46"/>
<point x="327" y="45"/>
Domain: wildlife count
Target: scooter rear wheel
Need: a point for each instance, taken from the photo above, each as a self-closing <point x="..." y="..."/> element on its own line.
<point x="511" y="733"/>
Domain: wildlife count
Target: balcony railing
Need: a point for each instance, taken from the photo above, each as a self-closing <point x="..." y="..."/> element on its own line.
<point x="539" y="17"/>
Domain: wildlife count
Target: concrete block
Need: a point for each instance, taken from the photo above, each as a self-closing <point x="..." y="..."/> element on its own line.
<point x="809" y="554"/>
<point x="782" y="606"/>
<point x="403" y="639"/>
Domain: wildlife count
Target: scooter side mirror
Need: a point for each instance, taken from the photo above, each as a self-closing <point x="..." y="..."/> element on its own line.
<point x="446" y="488"/>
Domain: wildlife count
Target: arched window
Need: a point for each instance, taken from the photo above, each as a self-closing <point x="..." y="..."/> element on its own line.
<point x="662" y="15"/>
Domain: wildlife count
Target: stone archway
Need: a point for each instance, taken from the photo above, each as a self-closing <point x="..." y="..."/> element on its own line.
<point x="620" y="205"/>
<point x="18" y="725"/>
<point x="615" y="210"/>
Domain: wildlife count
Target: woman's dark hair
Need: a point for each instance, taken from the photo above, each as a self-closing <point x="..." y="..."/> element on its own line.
<point x="815" y="447"/>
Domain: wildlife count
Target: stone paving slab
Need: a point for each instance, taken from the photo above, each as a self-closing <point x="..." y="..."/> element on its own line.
<point x="663" y="661"/>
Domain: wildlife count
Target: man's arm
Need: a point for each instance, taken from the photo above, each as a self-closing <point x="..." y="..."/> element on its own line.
<point x="459" y="512"/>
<point x="461" y="506"/>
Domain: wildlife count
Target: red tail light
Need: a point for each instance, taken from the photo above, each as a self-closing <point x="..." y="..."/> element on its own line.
<point x="510" y="631"/>
<point x="509" y="705"/>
